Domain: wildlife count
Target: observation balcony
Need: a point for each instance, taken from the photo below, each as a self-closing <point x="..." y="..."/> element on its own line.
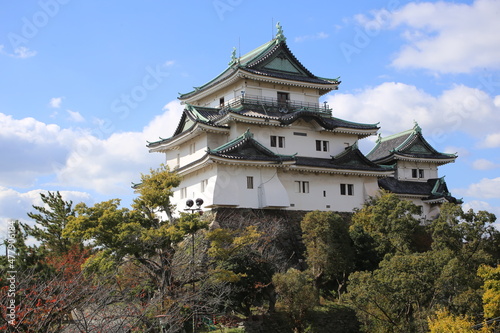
<point x="276" y="105"/>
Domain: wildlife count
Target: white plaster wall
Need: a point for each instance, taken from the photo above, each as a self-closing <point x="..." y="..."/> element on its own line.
<point x="405" y="170"/>
<point x="302" y="145"/>
<point x="324" y="191"/>
<point x="192" y="183"/>
<point x="182" y="156"/>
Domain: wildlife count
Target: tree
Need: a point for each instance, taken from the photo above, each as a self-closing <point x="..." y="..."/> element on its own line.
<point x="491" y="288"/>
<point x="297" y="295"/>
<point x="235" y="260"/>
<point x="390" y="221"/>
<point x="445" y="322"/>
<point x="50" y="223"/>
<point x="329" y="250"/>
<point x="155" y="191"/>
<point x="396" y="297"/>
<point x="409" y="286"/>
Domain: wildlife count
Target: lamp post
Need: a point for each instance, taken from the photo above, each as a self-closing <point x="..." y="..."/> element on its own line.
<point x="189" y="204"/>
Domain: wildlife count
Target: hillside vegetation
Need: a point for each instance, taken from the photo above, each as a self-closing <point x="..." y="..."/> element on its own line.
<point x="107" y="268"/>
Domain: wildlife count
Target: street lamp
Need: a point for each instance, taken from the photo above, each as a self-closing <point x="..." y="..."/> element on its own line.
<point x="189" y="204"/>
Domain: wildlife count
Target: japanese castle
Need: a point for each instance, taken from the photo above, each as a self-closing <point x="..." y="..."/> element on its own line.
<point x="257" y="137"/>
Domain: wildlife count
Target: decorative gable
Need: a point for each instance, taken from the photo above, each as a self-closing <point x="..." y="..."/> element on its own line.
<point x="282" y="63"/>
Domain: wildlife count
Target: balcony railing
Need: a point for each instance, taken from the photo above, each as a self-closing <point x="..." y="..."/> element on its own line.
<point x="273" y="104"/>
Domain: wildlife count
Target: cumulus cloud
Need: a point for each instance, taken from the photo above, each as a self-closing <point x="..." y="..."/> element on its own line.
<point x="491" y="141"/>
<point x="80" y="157"/>
<point x="396" y="105"/>
<point x="444" y="37"/>
<point x="486" y="188"/>
<point x="31" y="149"/>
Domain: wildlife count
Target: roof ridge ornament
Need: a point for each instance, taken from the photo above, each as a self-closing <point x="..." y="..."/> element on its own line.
<point x="234" y="59"/>
<point x="280" y="37"/>
<point x="416" y="127"/>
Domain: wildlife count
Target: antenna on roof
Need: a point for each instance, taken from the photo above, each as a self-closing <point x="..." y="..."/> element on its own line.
<point x="272" y="28"/>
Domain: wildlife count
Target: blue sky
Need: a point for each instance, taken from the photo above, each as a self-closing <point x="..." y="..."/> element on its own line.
<point x="84" y="84"/>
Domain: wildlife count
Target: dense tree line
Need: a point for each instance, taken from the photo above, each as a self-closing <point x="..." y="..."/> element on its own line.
<point x="140" y="269"/>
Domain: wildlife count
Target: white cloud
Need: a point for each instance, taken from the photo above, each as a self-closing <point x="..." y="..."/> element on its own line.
<point x="484" y="164"/>
<point x="319" y="35"/>
<point x="20" y="52"/>
<point x="492" y="141"/>
<point x="75" y="116"/>
<point x="444" y="37"/>
<point x="80" y="157"/>
<point x="55" y="102"/>
<point x="397" y="105"/>
<point x="487" y="188"/>
<point x="164" y="125"/>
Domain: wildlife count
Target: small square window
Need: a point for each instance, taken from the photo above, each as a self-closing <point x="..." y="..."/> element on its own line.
<point x="249" y="182"/>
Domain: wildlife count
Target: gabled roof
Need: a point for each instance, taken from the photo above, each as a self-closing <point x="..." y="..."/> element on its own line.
<point x="245" y="147"/>
<point x="191" y="118"/>
<point x="271" y="60"/>
<point x="407" y="145"/>
<point x="350" y="159"/>
<point x="434" y="190"/>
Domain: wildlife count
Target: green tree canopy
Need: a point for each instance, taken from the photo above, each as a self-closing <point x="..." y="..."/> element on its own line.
<point x="329" y="250"/>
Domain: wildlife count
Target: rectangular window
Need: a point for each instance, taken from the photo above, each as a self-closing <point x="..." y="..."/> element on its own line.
<point x="301" y="186"/>
<point x="277" y="141"/>
<point x="221" y="102"/>
<point x="417" y="173"/>
<point x="281" y="141"/>
<point x="249" y="182"/>
<point x="283" y="97"/>
<point x="413" y="173"/>
<point x="273" y="140"/>
<point x="350" y="189"/>
<point x="183" y="193"/>
<point x="325" y="145"/>
<point x="204" y="185"/>
<point x="299" y="133"/>
<point x="192" y="148"/>
<point x="322" y="145"/>
<point x="346" y="189"/>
